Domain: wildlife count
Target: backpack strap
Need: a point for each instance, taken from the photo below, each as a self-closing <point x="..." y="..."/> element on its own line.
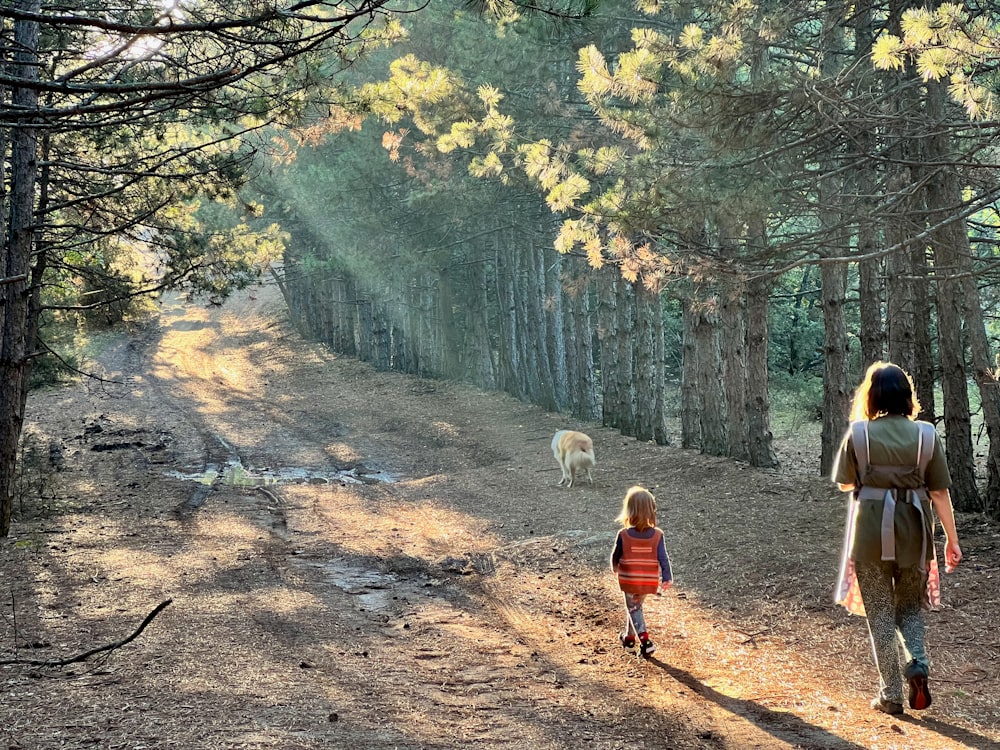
<point x="925" y="451"/>
<point x="925" y="446"/>
<point x="859" y="437"/>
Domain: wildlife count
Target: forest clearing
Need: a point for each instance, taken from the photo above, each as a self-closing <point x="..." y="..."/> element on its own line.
<point x="384" y="561"/>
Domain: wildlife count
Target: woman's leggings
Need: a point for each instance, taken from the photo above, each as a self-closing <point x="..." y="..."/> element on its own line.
<point x="892" y="598"/>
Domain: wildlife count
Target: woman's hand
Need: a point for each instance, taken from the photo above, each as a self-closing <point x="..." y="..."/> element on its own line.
<point x="952" y="556"/>
<point x="667" y="584"/>
<point x="941" y="500"/>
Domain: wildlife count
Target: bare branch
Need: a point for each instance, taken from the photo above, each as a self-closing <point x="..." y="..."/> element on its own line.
<point x="94" y="651"/>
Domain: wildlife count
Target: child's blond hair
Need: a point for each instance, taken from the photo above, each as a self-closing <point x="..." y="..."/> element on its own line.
<point x="638" y="509"/>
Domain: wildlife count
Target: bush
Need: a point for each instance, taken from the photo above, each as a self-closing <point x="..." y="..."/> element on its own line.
<point x="796" y="401"/>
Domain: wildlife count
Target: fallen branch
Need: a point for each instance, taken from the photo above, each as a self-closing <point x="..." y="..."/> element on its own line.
<point x="100" y="649"/>
<point x="752" y="637"/>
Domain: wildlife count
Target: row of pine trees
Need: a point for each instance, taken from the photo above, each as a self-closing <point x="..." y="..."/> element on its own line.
<point x="648" y="214"/>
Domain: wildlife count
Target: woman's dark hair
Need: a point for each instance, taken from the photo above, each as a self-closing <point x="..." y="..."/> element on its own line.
<point x="887" y="389"/>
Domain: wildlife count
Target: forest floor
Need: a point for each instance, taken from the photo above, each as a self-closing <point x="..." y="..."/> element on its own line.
<point x="356" y="559"/>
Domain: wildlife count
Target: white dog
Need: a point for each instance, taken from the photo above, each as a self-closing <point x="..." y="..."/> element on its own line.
<point x="575" y="453"/>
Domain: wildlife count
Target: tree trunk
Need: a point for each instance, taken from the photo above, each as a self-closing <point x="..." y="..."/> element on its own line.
<point x="954" y="379"/>
<point x="870" y="293"/>
<point x="649" y="381"/>
<point x="836" y="390"/>
<point x="732" y="319"/>
<point x="347" y="315"/>
<point x="760" y="441"/>
<point x="833" y="276"/>
<point x="923" y="359"/>
<point x="559" y="322"/>
<point x="949" y="242"/>
<point x="660" y="435"/>
<point x="711" y="394"/>
<point x="988" y="384"/>
<point x="508" y="362"/>
<point x="870" y="287"/>
<point x="607" y="336"/>
<point x="528" y="369"/>
<point x="580" y="346"/>
<point x="795" y="360"/>
<point x="17" y="246"/>
<point x="690" y="405"/>
<point x="899" y="303"/>
<point x="903" y="224"/>
<point x="625" y="356"/>
<point x="546" y="385"/>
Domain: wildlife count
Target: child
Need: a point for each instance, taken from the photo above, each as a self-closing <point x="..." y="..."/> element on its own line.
<point x="641" y="563"/>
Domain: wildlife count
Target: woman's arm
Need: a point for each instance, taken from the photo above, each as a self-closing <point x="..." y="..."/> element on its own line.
<point x="845" y="467"/>
<point x="941" y="500"/>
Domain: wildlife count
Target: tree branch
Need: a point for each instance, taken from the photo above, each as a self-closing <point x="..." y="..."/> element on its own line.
<point x="87" y="654"/>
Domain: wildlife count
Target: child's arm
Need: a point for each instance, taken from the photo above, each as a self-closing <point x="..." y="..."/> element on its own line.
<point x="667" y="578"/>
<point x="616" y="555"/>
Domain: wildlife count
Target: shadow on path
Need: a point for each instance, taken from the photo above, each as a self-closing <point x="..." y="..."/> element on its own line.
<point x="790" y="728"/>
<point x="959" y="734"/>
<point x="779" y="724"/>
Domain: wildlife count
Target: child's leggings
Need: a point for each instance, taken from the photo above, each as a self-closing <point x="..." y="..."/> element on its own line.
<point x="636" y="622"/>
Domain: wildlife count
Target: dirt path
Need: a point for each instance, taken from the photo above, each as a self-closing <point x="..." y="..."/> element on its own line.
<point x="367" y="560"/>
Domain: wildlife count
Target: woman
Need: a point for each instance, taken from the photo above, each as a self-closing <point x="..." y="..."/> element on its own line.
<point x="893" y="465"/>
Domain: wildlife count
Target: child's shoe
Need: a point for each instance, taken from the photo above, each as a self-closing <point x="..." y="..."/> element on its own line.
<point x="646" y="646"/>
<point x="627" y="640"/>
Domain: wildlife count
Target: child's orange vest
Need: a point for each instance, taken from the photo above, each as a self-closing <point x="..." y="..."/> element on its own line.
<point x="639" y="566"/>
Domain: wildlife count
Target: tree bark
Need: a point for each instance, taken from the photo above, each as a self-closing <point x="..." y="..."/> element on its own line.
<point x="558" y="329"/>
<point x="836" y="391"/>
<point x="508" y="362"/>
<point x="870" y="287"/>
<point x="648" y="345"/>
<point x="17" y="246"/>
<point x="903" y="224"/>
<point x="580" y="348"/>
<point x="923" y="359"/>
<point x="760" y="441"/>
<point x="948" y="243"/>
<point x="625" y="356"/>
<point x="711" y="394"/>
<point x="733" y="327"/>
<point x="833" y="276"/>
<point x="988" y="384"/>
<point x="607" y="337"/>
<point x="690" y="403"/>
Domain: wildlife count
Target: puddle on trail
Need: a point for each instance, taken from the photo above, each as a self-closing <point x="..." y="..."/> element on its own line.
<point x="373" y="589"/>
<point x="235" y="474"/>
<point x="376" y="591"/>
